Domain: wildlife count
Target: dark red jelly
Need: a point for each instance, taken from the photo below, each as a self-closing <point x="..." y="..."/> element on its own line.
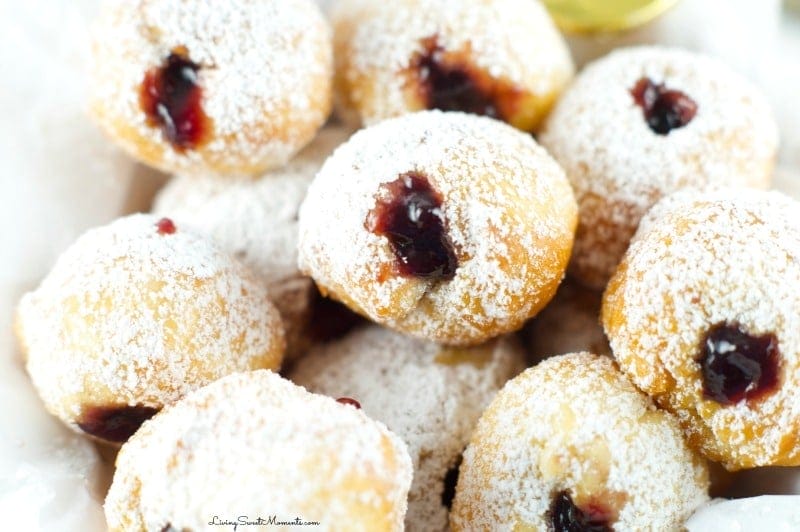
<point x="166" y="226"/>
<point x="449" y="82"/>
<point x="450" y="482"/>
<point x="664" y="109"/>
<point x="565" y="516"/>
<point x="738" y="366"/>
<point x="349" y="401"/>
<point x="172" y="98"/>
<point x="115" y="423"/>
<point x="409" y="213"/>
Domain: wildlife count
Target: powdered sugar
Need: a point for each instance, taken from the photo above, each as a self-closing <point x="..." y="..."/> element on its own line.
<point x="512" y="40"/>
<point x="265" y="72"/>
<point x="254" y="444"/>
<point x="429" y="395"/>
<point x="718" y="257"/>
<point x="619" y="167"/>
<point x="574" y="423"/>
<point x="508" y="209"/>
<point x="129" y="316"/>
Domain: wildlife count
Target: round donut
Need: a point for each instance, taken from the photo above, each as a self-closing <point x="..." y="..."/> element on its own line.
<point x="430" y="396"/>
<point x="199" y="87"/>
<point x="447" y="226"/>
<point x="255" y="445"/>
<point x="135" y="315"/>
<point x="256" y="221"/>
<point x="644" y="122"/>
<point x="571" y="444"/>
<point x="702" y="315"/>
<point x="499" y="58"/>
<point x="570" y="323"/>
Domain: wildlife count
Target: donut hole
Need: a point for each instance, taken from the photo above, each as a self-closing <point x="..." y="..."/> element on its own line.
<point x="738" y="366"/>
<point x="171" y="97"/>
<point x="664" y="109"/>
<point x="409" y="214"/>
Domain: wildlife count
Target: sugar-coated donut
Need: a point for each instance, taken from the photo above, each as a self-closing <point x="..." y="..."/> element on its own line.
<point x="499" y="58"/>
<point x="213" y="88"/>
<point x="702" y="315"/>
<point x="570" y="323"/>
<point x="430" y="396"/>
<point x="571" y="444"/>
<point x="447" y="226"/>
<point x="642" y="123"/>
<point x="256" y="221"/>
<point x="136" y="314"/>
<point x="255" y="445"/>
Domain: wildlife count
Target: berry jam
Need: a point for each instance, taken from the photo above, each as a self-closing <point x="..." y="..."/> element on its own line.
<point x="166" y="226"/>
<point x="449" y="82"/>
<point x="565" y="516"/>
<point x="171" y="97"/>
<point x="738" y="366"/>
<point x="349" y="401"/>
<point x="115" y="424"/>
<point x="664" y="109"/>
<point x="450" y="482"/>
<point x="409" y="213"/>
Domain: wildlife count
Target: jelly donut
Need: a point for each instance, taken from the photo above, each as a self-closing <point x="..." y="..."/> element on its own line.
<point x="136" y="314"/>
<point x="702" y="315"/>
<point x="256" y="221"/>
<point x="642" y="123"/>
<point x="214" y="88"/>
<point x="499" y="58"/>
<point x="447" y="226"/>
<point x="569" y="324"/>
<point x="571" y="444"/>
<point x="430" y="396"/>
<point x="257" y="445"/>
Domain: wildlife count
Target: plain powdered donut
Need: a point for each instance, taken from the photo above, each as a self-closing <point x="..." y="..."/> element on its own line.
<point x="135" y="315"/>
<point x="702" y="314"/>
<point x="447" y="226"/>
<point x="572" y="443"/>
<point x="212" y="88"/>
<point x="642" y="123"/>
<point x="253" y="444"/>
<point x="430" y="396"/>
<point x="499" y="58"/>
<point x="256" y="221"/>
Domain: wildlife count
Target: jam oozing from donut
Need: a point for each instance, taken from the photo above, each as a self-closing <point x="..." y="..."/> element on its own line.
<point x="349" y="401"/>
<point x="664" y="109"/>
<point x="450" y="482"/>
<point x="738" y="366"/>
<point x="565" y="516"/>
<point x="409" y="213"/>
<point x="448" y="82"/>
<point x="172" y="98"/>
<point x="115" y="423"/>
<point x="166" y="226"/>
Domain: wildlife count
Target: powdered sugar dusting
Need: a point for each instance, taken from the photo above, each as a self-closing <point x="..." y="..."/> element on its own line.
<point x="265" y="72"/>
<point x="512" y="40"/>
<point x="257" y="443"/>
<point x="619" y="168"/>
<point x="129" y="316"/>
<point x="575" y="423"/>
<point x="428" y="395"/>
<point x="256" y="221"/>
<point x="715" y="257"/>
<point x="509" y="213"/>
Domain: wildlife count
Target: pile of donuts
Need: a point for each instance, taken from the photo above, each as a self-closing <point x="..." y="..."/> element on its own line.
<point x="326" y="325"/>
